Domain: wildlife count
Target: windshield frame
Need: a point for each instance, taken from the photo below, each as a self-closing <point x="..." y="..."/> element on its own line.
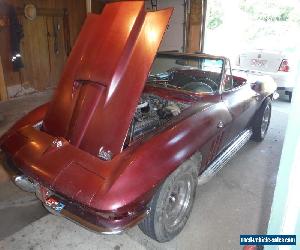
<point x="179" y="55"/>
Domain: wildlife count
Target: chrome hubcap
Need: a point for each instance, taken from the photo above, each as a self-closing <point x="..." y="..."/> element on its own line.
<point x="265" y="120"/>
<point x="178" y="202"/>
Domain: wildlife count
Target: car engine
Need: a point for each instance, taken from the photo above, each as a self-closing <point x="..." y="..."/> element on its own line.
<point x="152" y="112"/>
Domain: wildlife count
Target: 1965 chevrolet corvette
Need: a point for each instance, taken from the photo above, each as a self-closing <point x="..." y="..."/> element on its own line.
<point x="130" y="132"/>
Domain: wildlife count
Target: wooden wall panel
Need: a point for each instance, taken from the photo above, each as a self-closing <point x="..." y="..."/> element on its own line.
<point x="77" y="14"/>
<point x="35" y="54"/>
<point x="56" y="48"/>
<point x="42" y="65"/>
<point x="11" y="77"/>
<point x="3" y="91"/>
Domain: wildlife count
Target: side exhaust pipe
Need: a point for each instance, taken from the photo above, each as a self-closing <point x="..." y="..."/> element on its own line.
<point x="224" y="157"/>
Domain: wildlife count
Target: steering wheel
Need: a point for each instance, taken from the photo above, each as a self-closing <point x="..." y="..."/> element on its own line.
<point x="198" y="87"/>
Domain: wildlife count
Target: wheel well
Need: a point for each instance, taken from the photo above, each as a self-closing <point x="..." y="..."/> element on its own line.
<point x="252" y="120"/>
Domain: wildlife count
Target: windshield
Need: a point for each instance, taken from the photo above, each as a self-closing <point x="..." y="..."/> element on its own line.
<point x="197" y="75"/>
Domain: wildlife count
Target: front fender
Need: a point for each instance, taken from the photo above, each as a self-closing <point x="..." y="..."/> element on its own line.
<point x="31" y="118"/>
<point x="146" y="166"/>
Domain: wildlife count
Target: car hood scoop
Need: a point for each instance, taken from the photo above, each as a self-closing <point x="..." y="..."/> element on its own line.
<point x="104" y="76"/>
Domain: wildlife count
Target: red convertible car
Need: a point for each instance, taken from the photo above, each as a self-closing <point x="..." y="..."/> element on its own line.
<point x="130" y="132"/>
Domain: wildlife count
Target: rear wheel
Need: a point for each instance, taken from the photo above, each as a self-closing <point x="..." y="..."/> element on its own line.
<point x="262" y="120"/>
<point x="171" y="205"/>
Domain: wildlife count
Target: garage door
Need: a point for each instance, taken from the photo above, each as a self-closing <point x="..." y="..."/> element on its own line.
<point x="173" y="39"/>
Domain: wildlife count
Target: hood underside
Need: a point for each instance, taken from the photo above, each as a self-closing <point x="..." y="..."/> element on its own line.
<point x="104" y="77"/>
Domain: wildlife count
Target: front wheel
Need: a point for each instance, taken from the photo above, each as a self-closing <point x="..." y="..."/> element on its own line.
<point x="262" y="121"/>
<point x="171" y="205"/>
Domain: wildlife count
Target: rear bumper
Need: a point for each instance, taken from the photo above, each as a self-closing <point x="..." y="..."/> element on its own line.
<point x="284" y="80"/>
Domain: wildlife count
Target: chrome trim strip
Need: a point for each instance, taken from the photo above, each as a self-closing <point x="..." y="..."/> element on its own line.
<point x="224" y="157"/>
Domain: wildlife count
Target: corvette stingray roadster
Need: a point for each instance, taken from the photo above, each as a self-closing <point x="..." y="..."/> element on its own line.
<point x="129" y="132"/>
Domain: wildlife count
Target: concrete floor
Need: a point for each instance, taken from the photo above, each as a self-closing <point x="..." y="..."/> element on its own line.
<point x="236" y="201"/>
<point x="17" y="208"/>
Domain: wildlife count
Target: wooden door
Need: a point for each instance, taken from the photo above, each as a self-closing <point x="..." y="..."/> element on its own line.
<point x="35" y="53"/>
<point x="43" y="51"/>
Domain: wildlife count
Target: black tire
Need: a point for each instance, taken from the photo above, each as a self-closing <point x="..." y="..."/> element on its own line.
<point x="261" y="121"/>
<point x="158" y="224"/>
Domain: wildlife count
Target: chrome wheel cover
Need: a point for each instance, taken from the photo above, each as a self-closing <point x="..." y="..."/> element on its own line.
<point x="265" y="120"/>
<point x="178" y="202"/>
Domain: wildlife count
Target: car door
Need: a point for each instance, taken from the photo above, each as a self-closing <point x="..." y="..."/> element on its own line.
<point x="241" y="101"/>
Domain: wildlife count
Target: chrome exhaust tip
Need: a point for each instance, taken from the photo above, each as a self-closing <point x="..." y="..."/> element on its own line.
<point x="24" y="183"/>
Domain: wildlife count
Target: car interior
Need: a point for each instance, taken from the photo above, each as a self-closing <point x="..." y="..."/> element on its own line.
<point x="195" y="80"/>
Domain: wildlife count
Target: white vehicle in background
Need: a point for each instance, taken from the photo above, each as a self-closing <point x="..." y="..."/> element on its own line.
<point x="270" y="63"/>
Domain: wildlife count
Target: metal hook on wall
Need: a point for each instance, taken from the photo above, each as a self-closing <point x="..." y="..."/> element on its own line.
<point x="154" y="4"/>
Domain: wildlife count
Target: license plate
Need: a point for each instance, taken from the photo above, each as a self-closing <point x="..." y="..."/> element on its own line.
<point x="53" y="203"/>
<point x="258" y="62"/>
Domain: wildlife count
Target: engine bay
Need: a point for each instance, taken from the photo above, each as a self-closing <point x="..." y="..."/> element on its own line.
<point x="153" y="112"/>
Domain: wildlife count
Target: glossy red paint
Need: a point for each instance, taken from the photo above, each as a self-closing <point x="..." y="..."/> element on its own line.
<point x="93" y="107"/>
<point x="31" y="118"/>
<point x="105" y="68"/>
<point x="80" y="176"/>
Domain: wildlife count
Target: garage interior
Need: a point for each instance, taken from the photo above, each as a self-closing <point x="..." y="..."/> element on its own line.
<point x="238" y="200"/>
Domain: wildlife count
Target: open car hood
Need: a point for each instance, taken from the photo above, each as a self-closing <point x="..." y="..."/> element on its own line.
<point x="105" y="74"/>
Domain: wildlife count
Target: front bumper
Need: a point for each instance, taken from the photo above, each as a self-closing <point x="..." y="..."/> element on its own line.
<point x="105" y="223"/>
<point x="91" y="219"/>
<point x="76" y="178"/>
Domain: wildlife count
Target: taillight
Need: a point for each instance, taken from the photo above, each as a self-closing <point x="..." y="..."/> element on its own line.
<point x="284" y="66"/>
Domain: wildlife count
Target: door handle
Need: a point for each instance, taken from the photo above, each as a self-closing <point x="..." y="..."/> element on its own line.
<point x="220" y="124"/>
